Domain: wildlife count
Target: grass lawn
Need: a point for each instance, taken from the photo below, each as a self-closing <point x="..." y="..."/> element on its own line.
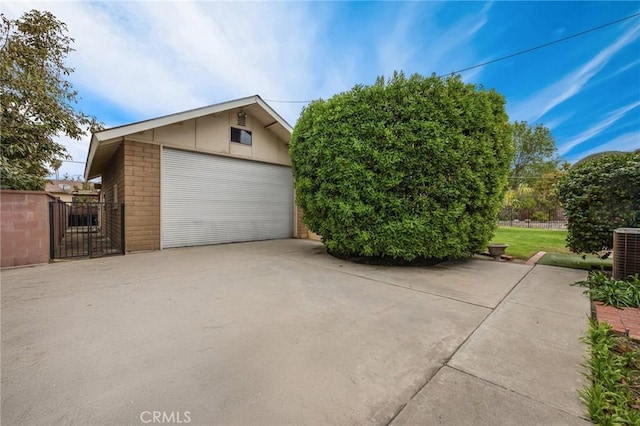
<point x="525" y="242"/>
<point x="575" y="261"/>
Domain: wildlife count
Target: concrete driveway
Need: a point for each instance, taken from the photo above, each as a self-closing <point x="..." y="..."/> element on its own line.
<point x="278" y="332"/>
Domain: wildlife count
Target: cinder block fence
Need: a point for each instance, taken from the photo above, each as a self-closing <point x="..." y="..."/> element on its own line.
<point x="24" y="227"/>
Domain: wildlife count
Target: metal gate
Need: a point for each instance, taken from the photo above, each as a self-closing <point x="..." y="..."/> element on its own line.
<point x="85" y="229"/>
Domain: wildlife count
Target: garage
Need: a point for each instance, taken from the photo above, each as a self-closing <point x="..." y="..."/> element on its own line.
<point x="210" y="175"/>
<point x="212" y="199"/>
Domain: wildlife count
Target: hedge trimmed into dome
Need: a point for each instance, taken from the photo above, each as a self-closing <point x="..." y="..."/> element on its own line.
<point x="599" y="194"/>
<point x="404" y="169"/>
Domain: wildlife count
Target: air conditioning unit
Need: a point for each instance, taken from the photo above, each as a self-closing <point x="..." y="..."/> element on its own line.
<point x="626" y="252"/>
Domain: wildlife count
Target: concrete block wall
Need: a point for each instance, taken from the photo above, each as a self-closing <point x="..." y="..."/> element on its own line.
<point x="301" y="228"/>
<point x="112" y="176"/>
<point x="142" y="196"/>
<point x="24" y="227"/>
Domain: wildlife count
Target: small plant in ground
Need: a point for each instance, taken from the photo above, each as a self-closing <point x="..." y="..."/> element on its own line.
<point x="618" y="293"/>
<point x="613" y="396"/>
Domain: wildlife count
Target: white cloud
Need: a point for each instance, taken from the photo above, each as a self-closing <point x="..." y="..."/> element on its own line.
<point x="396" y="46"/>
<point x="557" y="121"/>
<point x="399" y="47"/>
<point x="560" y="31"/>
<point x="154" y="58"/>
<point x="597" y="128"/>
<point x="146" y="59"/>
<point x="115" y="66"/>
<point x="624" y="69"/>
<point x="77" y="149"/>
<point x="551" y="96"/>
<point x="625" y="142"/>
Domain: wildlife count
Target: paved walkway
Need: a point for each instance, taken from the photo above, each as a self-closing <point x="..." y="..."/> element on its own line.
<point x="521" y="365"/>
<point x="279" y="332"/>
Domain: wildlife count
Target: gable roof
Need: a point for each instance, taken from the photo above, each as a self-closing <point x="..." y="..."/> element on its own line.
<point x="62" y="185"/>
<point x="102" y="142"/>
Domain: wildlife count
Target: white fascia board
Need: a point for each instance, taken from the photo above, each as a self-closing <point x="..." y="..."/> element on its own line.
<point x="93" y="145"/>
<point x="166" y="120"/>
<point x="118" y="132"/>
<point x="274" y="114"/>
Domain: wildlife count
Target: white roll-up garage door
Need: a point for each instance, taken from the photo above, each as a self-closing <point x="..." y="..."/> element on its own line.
<point x="209" y="199"/>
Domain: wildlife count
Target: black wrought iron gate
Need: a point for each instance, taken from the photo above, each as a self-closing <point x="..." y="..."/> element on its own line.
<point x="85" y="229"/>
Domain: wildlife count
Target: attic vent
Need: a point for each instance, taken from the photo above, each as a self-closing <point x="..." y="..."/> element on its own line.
<point x="242" y="118"/>
<point x="626" y="252"/>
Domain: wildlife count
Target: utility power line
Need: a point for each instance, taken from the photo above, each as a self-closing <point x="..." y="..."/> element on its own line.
<point x="522" y="52"/>
<point x="511" y="55"/>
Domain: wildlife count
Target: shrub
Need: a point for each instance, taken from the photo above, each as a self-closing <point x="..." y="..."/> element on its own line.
<point x="598" y="196"/>
<point x="618" y="293"/>
<point x="613" y="363"/>
<point x="541" y="215"/>
<point x="404" y="169"/>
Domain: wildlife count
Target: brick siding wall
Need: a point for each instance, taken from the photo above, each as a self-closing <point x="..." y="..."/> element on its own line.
<point x="114" y="175"/>
<point x="142" y="196"/>
<point x="301" y="228"/>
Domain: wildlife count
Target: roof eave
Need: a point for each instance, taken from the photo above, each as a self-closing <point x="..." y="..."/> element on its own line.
<point x="166" y="120"/>
<point x="141" y="126"/>
<point x="275" y="115"/>
<point x="93" y="146"/>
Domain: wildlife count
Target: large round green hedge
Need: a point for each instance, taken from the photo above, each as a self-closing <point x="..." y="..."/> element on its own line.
<point x="404" y="169"/>
<point x="600" y="194"/>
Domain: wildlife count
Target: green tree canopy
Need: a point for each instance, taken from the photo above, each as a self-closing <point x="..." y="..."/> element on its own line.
<point x="535" y="153"/>
<point x="600" y="194"/>
<point x="36" y="99"/>
<point x="404" y="169"/>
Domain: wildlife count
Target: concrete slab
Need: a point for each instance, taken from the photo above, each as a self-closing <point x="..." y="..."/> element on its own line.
<point x="456" y="398"/>
<point x="258" y="333"/>
<point x="549" y="288"/>
<point x="530" y="343"/>
<point x="541" y="370"/>
<point x="315" y="254"/>
<point x="535" y="324"/>
<point x="481" y="282"/>
<point x="279" y="332"/>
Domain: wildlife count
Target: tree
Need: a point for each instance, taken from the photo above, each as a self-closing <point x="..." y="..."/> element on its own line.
<point x="404" y="169"/>
<point x="535" y="153"/>
<point x="598" y="195"/>
<point x="522" y="197"/>
<point x="84" y="198"/>
<point x="538" y="201"/>
<point x="36" y="100"/>
<point x="546" y="195"/>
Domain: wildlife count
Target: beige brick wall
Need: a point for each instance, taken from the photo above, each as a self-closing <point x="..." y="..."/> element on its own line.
<point x="301" y="228"/>
<point x="114" y="175"/>
<point x="142" y="195"/>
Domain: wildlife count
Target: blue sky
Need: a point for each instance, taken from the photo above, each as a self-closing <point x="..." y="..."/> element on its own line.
<point x="139" y="60"/>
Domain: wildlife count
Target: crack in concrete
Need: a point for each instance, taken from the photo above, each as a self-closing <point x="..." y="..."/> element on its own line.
<point x="446" y="361"/>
